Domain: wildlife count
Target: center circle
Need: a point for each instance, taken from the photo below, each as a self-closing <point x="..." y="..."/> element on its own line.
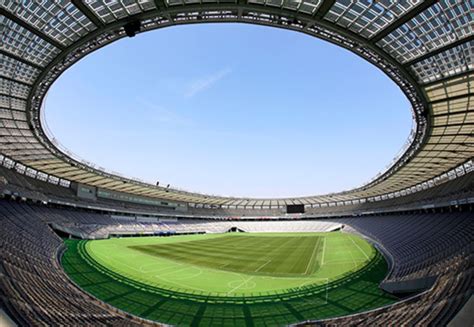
<point x="228" y="265"/>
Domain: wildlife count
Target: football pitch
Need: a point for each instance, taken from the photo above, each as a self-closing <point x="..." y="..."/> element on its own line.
<point x="240" y="279"/>
<point x="272" y="255"/>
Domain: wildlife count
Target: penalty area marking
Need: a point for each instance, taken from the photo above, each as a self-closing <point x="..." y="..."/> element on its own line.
<point x="266" y="263"/>
<point x="324" y="250"/>
<point x="311" y="260"/>
<point x="240" y="285"/>
<point x="359" y="248"/>
<point x="226" y="264"/>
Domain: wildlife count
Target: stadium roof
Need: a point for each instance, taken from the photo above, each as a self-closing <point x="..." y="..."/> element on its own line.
<point x="426" y="47"/>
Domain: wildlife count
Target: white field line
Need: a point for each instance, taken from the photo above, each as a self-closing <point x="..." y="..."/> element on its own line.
<point x="344" y="261"/>
<point x="352" y="256"/>
<point x="184" y="286"/>
<point x="353" y="261"/>
<point x="226" y="264"/>
<point x="266" y="263"/>
<point x="324" y="250"/>
<point x="177" y="270"/>
<point x="240" y="285"/>
<point x="359" y="248"/>
<point x="161" y="276"/>
<point x="311" y="260"/>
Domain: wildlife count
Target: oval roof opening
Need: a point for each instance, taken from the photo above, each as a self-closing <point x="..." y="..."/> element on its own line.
<point x="231" y="109"/>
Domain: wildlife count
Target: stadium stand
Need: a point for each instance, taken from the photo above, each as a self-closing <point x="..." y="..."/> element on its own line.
<point x="456" y="191"/>
<point x="418" y="212"/>
<point x="434" y="307"/>
<point x="35" y="289"/>
<point x="415" y="252"/>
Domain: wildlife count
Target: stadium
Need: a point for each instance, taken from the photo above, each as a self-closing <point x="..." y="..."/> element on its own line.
<point x="81" y="246"/>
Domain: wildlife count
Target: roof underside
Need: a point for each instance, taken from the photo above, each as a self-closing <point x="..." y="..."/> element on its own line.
<point x="426" y="47"/>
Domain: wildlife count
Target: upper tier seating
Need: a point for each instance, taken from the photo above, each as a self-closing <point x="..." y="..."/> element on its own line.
<point x="461" y="188"/>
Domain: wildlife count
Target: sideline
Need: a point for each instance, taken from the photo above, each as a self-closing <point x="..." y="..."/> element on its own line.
<point x="359" y="248"/>
<point x="312" y="258"/>
<point x="324" y="250"/>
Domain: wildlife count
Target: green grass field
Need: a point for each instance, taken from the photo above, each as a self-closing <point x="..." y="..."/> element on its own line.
<point x="231" y="279"/>
<point x="271" y="255"/>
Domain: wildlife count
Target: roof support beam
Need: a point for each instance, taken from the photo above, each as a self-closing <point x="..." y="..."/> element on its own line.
<point x="81" y="176"/>
<point x="402" y="20"/>
<point x="16" y="143"/>
<point x="322" y="11"/>
<point x="13" y="97"/>
<point x="445" y="159"/>
<point x="20" y="59"/>
<point x="449" y="78"/>
<point x="88" y="13"/>
<point x="454" y="134"/>
<point x="324" y="8"/>
<point x="15" y="81"/>
<point x="462" y="112"/>
<point x="457" y="97"/>
<point x="50" y="165"/>
<point x="14" y="110"/>
<point x="452" y="143"/>
<point x="88" y="179"/>
<point x="28" y="27"/>
<point x="61" y="170"/>
<point x="96" y="182"/>
<point x="14" y="120"/>
<point x="72" y="173"/>
<point x="240" y="11"/>
<point x="456" y="124"/>
<point x="438" y="51"/>
<point x="160" y="5"/>
<point x="121" y="186"/>
<point x="148" y="192"/>
<point x="107" y="182"/>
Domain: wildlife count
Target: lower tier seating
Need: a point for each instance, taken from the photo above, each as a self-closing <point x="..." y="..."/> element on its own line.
<point x="35" y="291"/>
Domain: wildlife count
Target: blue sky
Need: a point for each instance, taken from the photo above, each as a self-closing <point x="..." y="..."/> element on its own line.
<point x="231" y="109"/>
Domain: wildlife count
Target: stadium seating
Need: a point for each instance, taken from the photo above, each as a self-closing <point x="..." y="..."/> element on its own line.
<point x="418" y="243"/>
<point x="417" y="211"/>
<point x="33" y="286"/>
<point x="36" y="291"/>
<point x="434" y="307"/>
<point x="459" y="190"/>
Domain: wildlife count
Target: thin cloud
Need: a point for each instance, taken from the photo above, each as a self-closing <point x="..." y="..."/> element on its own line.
<point x="162" y="115"/>
<point x="205" y="83"/>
